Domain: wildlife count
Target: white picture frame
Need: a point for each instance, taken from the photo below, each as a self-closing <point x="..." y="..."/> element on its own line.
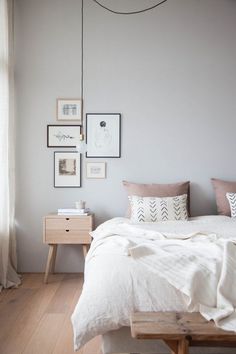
<point x="103" y="135"/>
<point x="69" y="109"/>
<point x="67" y="169"/>
<point x="63" y="136"/>
<point x="96" y="170"/>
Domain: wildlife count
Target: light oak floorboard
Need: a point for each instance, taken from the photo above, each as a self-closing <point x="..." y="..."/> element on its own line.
<point x="4" y="294"/>
<point x="64" y="343"/>
<point x="11" y="309"/>
<point x="35" y="318"/>
<point x="44" y="338"/>
<point x="61" y="301"/>
<point x="28" y="319"/>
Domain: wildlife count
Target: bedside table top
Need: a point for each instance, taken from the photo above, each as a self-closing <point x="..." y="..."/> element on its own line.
<point x="70" y="216"/>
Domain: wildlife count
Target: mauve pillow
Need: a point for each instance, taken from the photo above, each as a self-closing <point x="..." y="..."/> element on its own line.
<point x="158" y="190"/>
<point x="221" y="189"/>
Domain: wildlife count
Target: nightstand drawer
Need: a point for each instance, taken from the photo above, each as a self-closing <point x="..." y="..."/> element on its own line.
<point x="83" y="223"/>
<point x="69" y="236"/>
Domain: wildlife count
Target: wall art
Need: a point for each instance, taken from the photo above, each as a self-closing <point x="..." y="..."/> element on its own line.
<point x="103" y="134"/>
<point x="96" y="169"/>
<point x="67" y="169"/>
<point x="69" y="109"/>
<point x="63" y="136"/>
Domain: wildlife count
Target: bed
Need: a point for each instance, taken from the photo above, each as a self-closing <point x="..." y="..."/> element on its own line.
<point x="117" y="283"/>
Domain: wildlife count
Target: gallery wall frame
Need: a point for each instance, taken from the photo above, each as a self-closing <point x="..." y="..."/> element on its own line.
<point x="95" y="170"/>
<point x="69" y="109"/>
<point x="63" y="136"/>
<point x="67" y="169"/>
<point x="103" y="135"/>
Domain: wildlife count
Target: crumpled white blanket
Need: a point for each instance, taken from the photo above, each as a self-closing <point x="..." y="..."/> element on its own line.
<point x="204" y="270"/>
<point x="189" y="265"/>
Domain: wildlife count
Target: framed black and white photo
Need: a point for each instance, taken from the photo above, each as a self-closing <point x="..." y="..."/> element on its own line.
<point x="63" y="136"/>
<point x="69" y="109"/>
<point x="96" y="169"/>
<point x="67" y="169"/>
<point x="103" y="134"/>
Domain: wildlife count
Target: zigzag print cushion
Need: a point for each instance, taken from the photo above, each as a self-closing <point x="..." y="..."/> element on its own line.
<point x="152" y="209"/>
<point x="232" y="202"/>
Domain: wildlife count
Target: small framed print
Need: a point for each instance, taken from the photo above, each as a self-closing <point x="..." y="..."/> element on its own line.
<point x="67" y="169"/>
<point x="63" y="136"/>
<point x="103" y="135"/>
<point x="96" y="169"/>
<point x="69" y="109"/>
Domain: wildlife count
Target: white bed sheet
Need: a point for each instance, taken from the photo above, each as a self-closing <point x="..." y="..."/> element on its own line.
<point x="116" y="285"/>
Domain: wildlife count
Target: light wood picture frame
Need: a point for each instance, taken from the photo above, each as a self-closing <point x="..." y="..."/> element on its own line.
<point x="96" y="170"/>
<point x="69" y="109"/>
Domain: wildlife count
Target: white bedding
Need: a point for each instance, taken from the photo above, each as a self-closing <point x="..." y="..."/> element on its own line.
<point x="117" y="283"/>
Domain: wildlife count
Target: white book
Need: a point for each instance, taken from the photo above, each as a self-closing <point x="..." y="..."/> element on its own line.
<point x="72" y="213"/>
<point x="80" y="211"/>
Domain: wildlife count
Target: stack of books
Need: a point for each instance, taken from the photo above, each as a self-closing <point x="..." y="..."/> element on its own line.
<point x="73" y="211"/>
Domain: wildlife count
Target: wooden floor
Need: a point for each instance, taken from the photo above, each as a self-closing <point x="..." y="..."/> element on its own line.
<point x="35" y="318"/>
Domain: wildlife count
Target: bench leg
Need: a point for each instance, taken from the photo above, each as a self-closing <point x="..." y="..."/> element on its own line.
<point x="183" y="346"/>
<point x="173" y="345"/>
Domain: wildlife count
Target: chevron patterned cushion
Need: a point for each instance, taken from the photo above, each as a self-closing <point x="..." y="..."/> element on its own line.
<point x="157" y="190"/>
<point x="221" y="189"/>
<point x="152" y="209"/>
<point x="232" y="202"/>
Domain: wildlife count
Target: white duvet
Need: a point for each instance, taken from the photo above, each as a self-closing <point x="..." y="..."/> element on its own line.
<point x="166" y="266"/>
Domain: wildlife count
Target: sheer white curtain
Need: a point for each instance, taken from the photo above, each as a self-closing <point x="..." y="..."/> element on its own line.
<point x="8" y="275"/>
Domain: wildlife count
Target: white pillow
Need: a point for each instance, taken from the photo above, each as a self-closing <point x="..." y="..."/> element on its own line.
<point x="153" y="209"/>
<point x="232" y="202"/>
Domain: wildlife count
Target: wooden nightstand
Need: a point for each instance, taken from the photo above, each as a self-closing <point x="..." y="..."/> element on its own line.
<point x="61" y="229"/>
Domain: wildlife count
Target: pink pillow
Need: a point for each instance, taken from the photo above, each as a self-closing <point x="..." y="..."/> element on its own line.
<point x="221" y="188"/>
<point x="158" y="190"/>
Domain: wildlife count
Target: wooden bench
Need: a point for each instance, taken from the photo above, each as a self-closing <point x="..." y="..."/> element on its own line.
<point x="180" y="330"/>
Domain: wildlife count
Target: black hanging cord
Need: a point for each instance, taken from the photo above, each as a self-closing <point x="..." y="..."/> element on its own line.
<point x="82" y="48"/>
<point x="82" y="43"/>
<point x="131" y="12"/>
<point x="82" y="66"/>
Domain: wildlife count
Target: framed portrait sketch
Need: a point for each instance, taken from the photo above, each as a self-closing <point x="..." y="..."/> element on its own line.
<point x="69" y="109"/>
<point x="67" y="169"/>
<point x="103" y="134"/>
<point x="63" y="136"/>
<point x="96" y="170"/>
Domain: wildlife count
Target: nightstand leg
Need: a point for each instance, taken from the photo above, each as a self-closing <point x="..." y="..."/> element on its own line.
<point x="54" y="255"/>
<point x="85" y="250"/>
<point x="49" y="262"/>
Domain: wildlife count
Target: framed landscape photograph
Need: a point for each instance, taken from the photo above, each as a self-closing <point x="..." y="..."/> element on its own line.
<point x="103" y="134"/>
<point x="67" y="169"/>
<point x="63" y="136"/>
<point x="69" y="109"/>
<point x="96" y="170"/>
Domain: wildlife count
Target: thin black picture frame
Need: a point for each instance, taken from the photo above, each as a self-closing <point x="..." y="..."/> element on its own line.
<point x="119" y="132"/>
<point x="61" y="125"/>
<point x="80" y="167"/>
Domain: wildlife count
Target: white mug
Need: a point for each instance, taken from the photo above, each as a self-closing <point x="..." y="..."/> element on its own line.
<point x="80" y="204"/>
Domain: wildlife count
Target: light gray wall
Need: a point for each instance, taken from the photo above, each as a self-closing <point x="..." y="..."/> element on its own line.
<point x="170" y="72"/>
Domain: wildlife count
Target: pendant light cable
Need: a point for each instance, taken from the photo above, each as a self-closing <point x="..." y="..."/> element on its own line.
<point x="82" y="46"/>
<point x="82" y="71"/>
<point x="131" y="12"/>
